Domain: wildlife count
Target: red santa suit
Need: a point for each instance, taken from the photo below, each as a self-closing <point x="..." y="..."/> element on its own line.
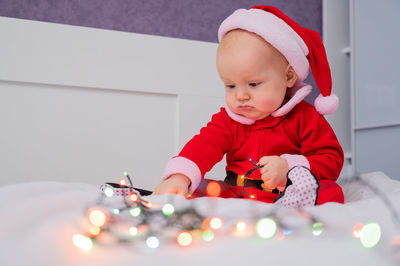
<point x="297" y="132"/>
<point x="302" y="136"/>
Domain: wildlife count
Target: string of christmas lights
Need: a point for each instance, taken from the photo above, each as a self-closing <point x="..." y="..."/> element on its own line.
<point x="370" y="233"/>
<point x="245" y="177"/>
<point x="122" y="215"/>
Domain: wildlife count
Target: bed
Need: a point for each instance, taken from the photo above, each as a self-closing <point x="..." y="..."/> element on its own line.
<point x="39" y="220"/>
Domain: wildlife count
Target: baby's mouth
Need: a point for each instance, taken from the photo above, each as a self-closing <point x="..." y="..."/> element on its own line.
<point x="245" y="107"/>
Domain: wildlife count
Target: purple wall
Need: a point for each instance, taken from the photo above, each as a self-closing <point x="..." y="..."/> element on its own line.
<point x="186" y="19"/>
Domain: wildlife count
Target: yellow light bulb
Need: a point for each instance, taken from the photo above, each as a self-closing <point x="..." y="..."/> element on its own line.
<point x="134" y="197"/>
<point x="94" y="230"/>
<point x="241" y="226"/>
<point x="184" y="238"/>
<point x="216" y="223"/>
<point x="133" y="230"/>
<point x="97" y="217"/>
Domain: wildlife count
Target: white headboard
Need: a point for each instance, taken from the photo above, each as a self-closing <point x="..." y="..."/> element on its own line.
<point x="83" y="105"/>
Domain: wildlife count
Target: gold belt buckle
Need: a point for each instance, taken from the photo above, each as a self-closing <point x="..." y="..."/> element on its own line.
<point x="241" y="178"/>
<point x="266" y="189"/>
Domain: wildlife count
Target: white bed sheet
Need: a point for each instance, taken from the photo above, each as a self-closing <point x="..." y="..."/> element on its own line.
<point x="38" y="220"/>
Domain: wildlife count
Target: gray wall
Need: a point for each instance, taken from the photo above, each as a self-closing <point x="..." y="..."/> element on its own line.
<point x="375" y="86"/>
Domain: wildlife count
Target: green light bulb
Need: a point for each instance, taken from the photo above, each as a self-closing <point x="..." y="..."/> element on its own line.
<point x="208" y="235"/>
<point x="370" y="235"/>
<point x="168" y="209"/>
<point x="109" y="192"/>
<point x="266" y="227"/>
<point x="135" y="211"/>
<point x="317" y="228"/>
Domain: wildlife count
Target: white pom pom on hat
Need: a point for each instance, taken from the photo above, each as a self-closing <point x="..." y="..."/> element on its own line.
<point x="326" y="104"/>
<point x="302" y="47"/>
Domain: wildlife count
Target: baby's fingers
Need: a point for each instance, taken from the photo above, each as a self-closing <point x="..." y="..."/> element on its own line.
<point x="264" y="170"/>
<point x="263" y="161"/>
<point x="267" y="186"/>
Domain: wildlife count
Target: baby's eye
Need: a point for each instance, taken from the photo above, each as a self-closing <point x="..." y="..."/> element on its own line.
<point x="230" y="86"/>
<point x="254" y="84"/>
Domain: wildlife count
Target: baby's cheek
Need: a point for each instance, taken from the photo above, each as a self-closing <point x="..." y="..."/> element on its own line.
<point x="267" y="104"/>
<point x="272" y="103"/>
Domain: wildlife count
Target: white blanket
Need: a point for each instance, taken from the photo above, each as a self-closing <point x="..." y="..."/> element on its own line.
<point x="39" y="219"/>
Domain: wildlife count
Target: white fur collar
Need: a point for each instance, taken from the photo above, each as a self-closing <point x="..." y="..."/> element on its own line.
<point x="297" y="94"/>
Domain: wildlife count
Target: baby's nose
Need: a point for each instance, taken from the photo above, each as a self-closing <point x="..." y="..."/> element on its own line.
<point x="242" y="94"/>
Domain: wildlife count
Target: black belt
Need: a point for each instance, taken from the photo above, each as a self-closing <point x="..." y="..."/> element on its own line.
<point x="231" y="179"/>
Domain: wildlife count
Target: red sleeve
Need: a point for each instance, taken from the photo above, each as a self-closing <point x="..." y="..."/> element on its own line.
<point x="209" y="146"/>
<point x="318" y="143"/>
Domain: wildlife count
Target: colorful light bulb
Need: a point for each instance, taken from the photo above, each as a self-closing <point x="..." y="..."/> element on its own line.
<point x="370" y="235"/>
<point x="280" y="235"/>
<point x="135" y="212"/>
<point x="213" y="189"/>
<point x="168" y="209"/>
<point x="266" y="227"/>
<point x="82" y="241"/>
<point x="206" y="224"/>
<point x="148" y="204"/>
<point x="287" y="232"/>
<point x="94" y="230"/>
<point x="97" y="217"/>
<point x="152" y="242"/>
<point x="240" y="226"/>
<point x="208" y="235"/>
<point x="317" y="228"/>
<point x="396" y="240"/>
<point x="133" y="231"/>
<point x="357" y="230"/>
<point x="216" y="223"/>
<point x="122" y="181"/>
<point x="109" y="192"/>
<point x="184" y="238"/>
<point x="133" y="197"/>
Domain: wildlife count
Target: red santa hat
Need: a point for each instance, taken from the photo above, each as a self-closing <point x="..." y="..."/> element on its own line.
<point x="303" y="48"/>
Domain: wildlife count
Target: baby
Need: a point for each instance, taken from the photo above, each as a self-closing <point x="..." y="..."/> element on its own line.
<point x="262" y="58"/>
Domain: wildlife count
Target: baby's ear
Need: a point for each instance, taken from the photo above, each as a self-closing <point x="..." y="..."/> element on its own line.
<point x="291" y="76"/>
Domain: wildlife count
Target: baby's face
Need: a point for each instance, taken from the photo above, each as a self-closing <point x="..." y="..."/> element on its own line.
<point x="255" y="74"/>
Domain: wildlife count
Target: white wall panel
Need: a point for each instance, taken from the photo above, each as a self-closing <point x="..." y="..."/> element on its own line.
<point x="83" y="135"/>
<point x="81" y="104"/>
<point x="41" y="52"/>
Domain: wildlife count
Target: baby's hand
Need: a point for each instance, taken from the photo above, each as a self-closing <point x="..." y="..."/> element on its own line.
<point x="274" y="171"/>
<point x="175" y="184"/>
